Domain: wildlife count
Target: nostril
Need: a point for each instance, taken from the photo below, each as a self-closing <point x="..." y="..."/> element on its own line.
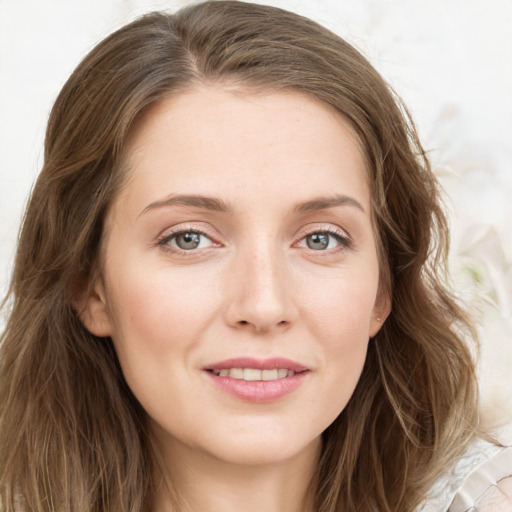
<point x="261" y="325"/>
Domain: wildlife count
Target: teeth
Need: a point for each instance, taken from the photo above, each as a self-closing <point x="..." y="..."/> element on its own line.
<point x="270" y="374"/>
<point x="236" y="373"/>
<point x="252" y="374"/>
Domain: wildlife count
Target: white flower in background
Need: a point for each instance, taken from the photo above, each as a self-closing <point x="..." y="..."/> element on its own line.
<point x="477" y="180"/>
<point x="481" y="247"/>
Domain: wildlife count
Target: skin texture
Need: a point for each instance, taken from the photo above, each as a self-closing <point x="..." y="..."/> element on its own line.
<point x="252" y="288"/>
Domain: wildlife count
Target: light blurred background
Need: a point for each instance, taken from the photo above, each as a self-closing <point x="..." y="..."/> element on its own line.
<point x="451" y="61"/>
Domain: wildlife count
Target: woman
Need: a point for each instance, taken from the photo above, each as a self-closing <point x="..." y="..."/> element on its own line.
<point x="229" y="290"/>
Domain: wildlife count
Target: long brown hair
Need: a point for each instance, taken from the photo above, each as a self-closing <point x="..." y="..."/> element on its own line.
<point x="72" y="436"/>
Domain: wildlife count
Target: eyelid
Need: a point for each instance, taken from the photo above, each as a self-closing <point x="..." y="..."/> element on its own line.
<point x="345" y="240"/>
<point x="170" y="233"/>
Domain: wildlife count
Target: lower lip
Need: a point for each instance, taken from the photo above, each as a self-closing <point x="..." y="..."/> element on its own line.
<point x="260" y="391"/>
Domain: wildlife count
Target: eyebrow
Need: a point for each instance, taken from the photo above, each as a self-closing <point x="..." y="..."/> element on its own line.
<point x="218" y="205"/>
<point x="204" y="202"/>
<point x="324" y="203"/>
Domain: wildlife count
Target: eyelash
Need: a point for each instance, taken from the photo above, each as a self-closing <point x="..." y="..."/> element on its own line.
<point x="163" y="241"/>
<point x="341" y="237"/>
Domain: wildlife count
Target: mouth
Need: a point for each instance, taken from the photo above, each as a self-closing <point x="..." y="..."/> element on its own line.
<point x="253" y="374"/>
<point x="255" y="380"/>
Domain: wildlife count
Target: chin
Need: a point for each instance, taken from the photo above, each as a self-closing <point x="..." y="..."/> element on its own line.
<point x="259" y="450"/>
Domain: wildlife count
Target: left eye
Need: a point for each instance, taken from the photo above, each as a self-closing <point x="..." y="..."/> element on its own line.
<point x="321" y="240"/>
<point x="188" y="240"/>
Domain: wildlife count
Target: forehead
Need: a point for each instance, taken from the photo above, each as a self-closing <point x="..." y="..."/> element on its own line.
<point x="211" y="136"/>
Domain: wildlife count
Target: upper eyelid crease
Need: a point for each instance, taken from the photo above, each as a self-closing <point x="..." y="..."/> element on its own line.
<point x="326" y="228"/>
<point x="173" y="233"/>
<point x="337" y="232"/>
<point x="341" y="235"/>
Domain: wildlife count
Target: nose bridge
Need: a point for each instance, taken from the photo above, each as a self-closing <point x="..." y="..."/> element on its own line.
<point x="261" y="297"/>
<point x="264" y="272"/>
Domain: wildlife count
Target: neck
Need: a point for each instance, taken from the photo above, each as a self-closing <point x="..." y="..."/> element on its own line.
<point x="193" y="481"/>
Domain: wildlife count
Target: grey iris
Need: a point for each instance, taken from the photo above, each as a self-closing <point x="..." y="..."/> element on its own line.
<point x="317" y="241"/>
<point x="188" y="241"/>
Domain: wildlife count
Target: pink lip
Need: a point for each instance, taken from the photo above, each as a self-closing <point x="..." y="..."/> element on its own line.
<point x="258" y="364"/>
<point x="258" y="391"/>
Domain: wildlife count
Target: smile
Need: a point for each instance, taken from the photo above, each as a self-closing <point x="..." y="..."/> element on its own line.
<point x="253" y="374"/>
<point x="254" y="380"/>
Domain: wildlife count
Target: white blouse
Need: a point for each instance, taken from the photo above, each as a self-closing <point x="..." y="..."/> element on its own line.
<point x="488" y="488"/>
<point x="481" y="481"/>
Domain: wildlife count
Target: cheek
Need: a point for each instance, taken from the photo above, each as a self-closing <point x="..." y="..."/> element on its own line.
<point x="158" y="322"/>
<point x="340" y="317"/>
<point x="341" y="308"/>
<point x="157" y="306"/>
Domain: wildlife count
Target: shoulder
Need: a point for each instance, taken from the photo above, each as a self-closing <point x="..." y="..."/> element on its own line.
<point x="473" y="483"/>
<point x="489" y="487"/>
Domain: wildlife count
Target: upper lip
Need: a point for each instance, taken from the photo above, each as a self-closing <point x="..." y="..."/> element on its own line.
<point x="273" y="363"/>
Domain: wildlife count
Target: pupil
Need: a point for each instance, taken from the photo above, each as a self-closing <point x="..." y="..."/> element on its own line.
<point x="317" y="241"/>
<point x="188" y="240"/>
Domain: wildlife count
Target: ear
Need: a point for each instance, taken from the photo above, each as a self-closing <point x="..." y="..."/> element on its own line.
<point x="91" y="305"/>
<point x="380" y="312"/>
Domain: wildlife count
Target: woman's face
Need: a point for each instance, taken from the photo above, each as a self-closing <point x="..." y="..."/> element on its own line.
<point x="240" y="274"/>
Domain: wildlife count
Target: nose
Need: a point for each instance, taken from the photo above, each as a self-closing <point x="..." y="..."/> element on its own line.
<point x="261" y="298"/>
